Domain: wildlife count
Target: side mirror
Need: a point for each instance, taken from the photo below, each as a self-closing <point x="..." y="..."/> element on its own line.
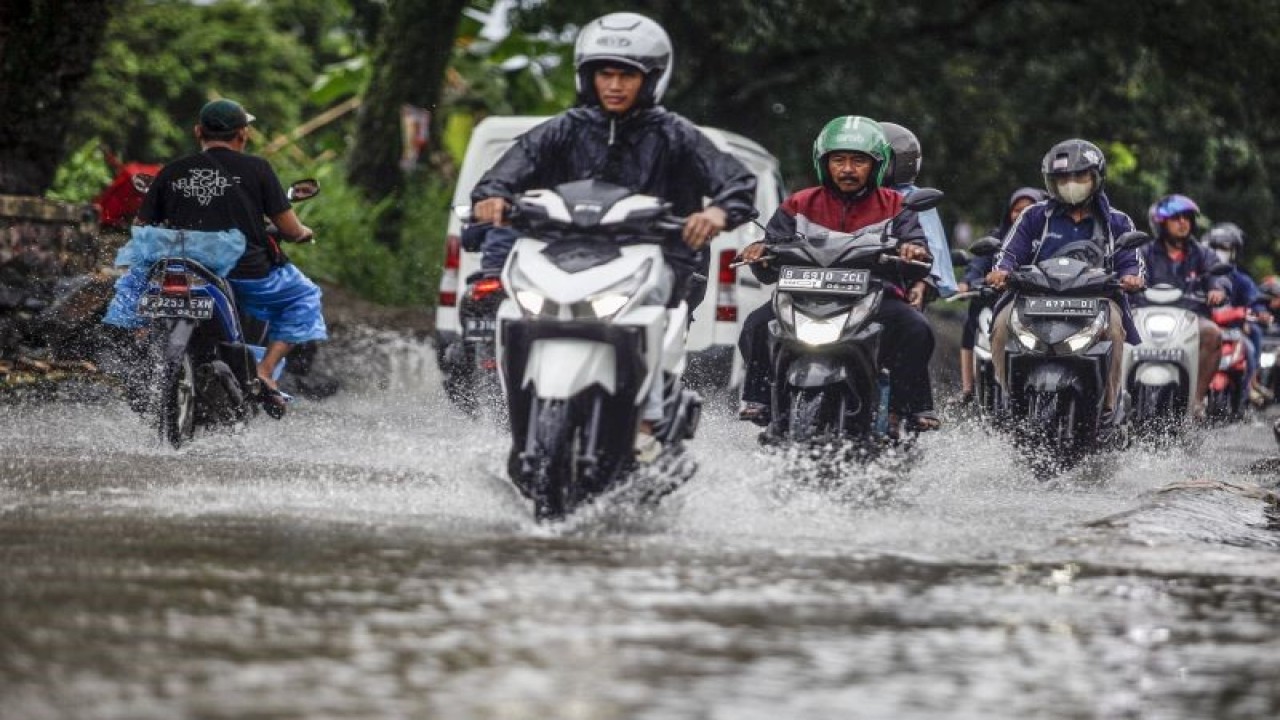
<point x="1132" y="240"/>
<point x="923" y="199"/>
<point x="961" y="257"/>
<point x="303" y="190"/>
<point x="1220" y="269"/>
<point x="986" y="246"/>
<point x="142" y="181"/>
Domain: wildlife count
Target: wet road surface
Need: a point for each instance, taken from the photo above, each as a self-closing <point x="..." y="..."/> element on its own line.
<point x="365" y="558"/>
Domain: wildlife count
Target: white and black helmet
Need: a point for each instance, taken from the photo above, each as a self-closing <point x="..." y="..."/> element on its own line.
<point x="628" y="39"/>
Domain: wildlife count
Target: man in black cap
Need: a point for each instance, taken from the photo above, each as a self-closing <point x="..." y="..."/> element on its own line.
<point x="222" y="188"/>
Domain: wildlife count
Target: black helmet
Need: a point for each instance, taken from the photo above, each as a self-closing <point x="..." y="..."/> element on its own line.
<point x="1225" y="236"/>
<point x="1069" y="157"/>
<point x="906" y="154"/>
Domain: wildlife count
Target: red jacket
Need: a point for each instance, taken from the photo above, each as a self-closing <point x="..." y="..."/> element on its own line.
<point x="818" y="211"/>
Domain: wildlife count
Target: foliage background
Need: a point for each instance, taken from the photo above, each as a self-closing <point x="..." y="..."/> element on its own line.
<point x="1181" y="95"/>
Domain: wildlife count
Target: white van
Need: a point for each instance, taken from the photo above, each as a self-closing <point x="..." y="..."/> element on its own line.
<point x="731" y="292"/>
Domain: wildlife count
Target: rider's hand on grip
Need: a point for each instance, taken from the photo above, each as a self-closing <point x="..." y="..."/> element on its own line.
<point x="492" y="210"/>
<point x="1131" y="283"/>
<point x="701" y="227"/>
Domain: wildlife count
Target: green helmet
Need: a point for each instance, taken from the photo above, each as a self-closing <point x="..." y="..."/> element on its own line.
<point x="852" y="133"/>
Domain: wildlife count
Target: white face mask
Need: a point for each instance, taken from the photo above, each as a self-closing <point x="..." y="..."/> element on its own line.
<point x="1225" y="256"/>
<point x="1074" y="192"/>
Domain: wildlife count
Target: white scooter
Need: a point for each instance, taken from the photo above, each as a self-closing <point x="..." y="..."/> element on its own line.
<point x="986" y="389"/>
<point x="1162" y="371"/>
<point x="587" y="344"/>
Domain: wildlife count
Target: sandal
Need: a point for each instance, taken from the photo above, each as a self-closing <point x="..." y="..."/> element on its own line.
<point x="754" y="412"/>
<point x="924" y="421"/>
<point x="274" y="402"/>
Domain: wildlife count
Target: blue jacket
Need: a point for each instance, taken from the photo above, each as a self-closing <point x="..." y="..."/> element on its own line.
<point x="943" y="273"/>
<point x="1030" y="239"/>
<point x="1244" y="291"/>
<point x="1191" y="274"/>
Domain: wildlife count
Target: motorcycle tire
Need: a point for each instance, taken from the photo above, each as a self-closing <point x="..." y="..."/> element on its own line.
<point x="804" y="421"/>
<point x="176" y="406"/>
<point x="556" y="474"/>
<point x="1219" y="404"/>
<point x="1050" y="425"/>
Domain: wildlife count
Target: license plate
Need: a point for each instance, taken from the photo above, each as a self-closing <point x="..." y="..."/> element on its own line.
<point x="480" y="326"/>
<point x="1157" y="354"/>
<point x="199" y="307"/>
<point x="1075" y="307"/>
<point x="823" y="280"/>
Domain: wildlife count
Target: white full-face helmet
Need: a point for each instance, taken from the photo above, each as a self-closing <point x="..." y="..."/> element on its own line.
<point x="628" y="39"/>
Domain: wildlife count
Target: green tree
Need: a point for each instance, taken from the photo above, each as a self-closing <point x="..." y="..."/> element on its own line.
<point x="408" y="68"/>
<point x="47" y="48"/>
<point x="163" y="59"/>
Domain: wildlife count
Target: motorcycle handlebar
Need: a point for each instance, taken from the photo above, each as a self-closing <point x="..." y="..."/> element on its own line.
<point x="892" y="259"/>
<point x="984" y="291"/>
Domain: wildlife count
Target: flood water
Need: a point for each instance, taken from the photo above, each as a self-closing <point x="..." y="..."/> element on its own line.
<point x="364" y="558"/>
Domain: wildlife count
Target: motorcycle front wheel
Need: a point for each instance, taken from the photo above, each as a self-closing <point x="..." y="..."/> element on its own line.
<point x="1049" y="436"/>
<point x="556" y="474"/>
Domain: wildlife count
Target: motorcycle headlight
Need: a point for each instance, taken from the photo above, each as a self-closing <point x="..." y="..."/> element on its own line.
<point x="1028" y="339"/>
<point x="815" y="331"/>
<point x="530" y="301"/>
<point x="1267" y="360"/>
<point x="785" y="309"/>
<point x="526" y="294"/>
<point x="1085" y="336"/>
<point x="1160" y="326"/>
<point x="610" y="301"/>
<point x="812" y="331"/>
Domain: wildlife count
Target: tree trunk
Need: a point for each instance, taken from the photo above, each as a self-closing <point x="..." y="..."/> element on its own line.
<point x="47" y="48"/>
<point x="409" y="64"/>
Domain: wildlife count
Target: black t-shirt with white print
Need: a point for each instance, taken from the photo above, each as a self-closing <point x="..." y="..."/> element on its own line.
<point x="197" y="193"/>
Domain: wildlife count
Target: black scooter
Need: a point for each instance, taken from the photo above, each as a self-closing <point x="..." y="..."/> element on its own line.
<point x="1058" y="356"/>
<point x="470" y="366"/>
<point x="827" y="381"/>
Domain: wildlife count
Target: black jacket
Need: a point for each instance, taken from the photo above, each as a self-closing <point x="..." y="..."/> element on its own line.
<point x="648" y="150"/>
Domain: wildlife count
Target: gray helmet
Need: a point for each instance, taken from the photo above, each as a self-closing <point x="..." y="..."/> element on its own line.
<point x="1035" y="195"/>
<point x="1225" y="236"/>
<point x="1072" y="156"/>
<point x="628" y="39"/>
<point x="906" y="154"/>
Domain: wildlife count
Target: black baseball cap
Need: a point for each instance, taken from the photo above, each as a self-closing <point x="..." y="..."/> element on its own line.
<point x="224" y="115"/>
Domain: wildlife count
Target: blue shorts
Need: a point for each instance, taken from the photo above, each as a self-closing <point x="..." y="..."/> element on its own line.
<point x="285" y="299"/>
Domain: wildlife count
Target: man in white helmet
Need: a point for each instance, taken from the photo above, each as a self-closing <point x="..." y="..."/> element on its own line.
<point x="619" y="133"/>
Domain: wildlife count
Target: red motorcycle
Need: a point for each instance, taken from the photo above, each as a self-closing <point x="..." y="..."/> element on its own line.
<point x="1229" y="388"/>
